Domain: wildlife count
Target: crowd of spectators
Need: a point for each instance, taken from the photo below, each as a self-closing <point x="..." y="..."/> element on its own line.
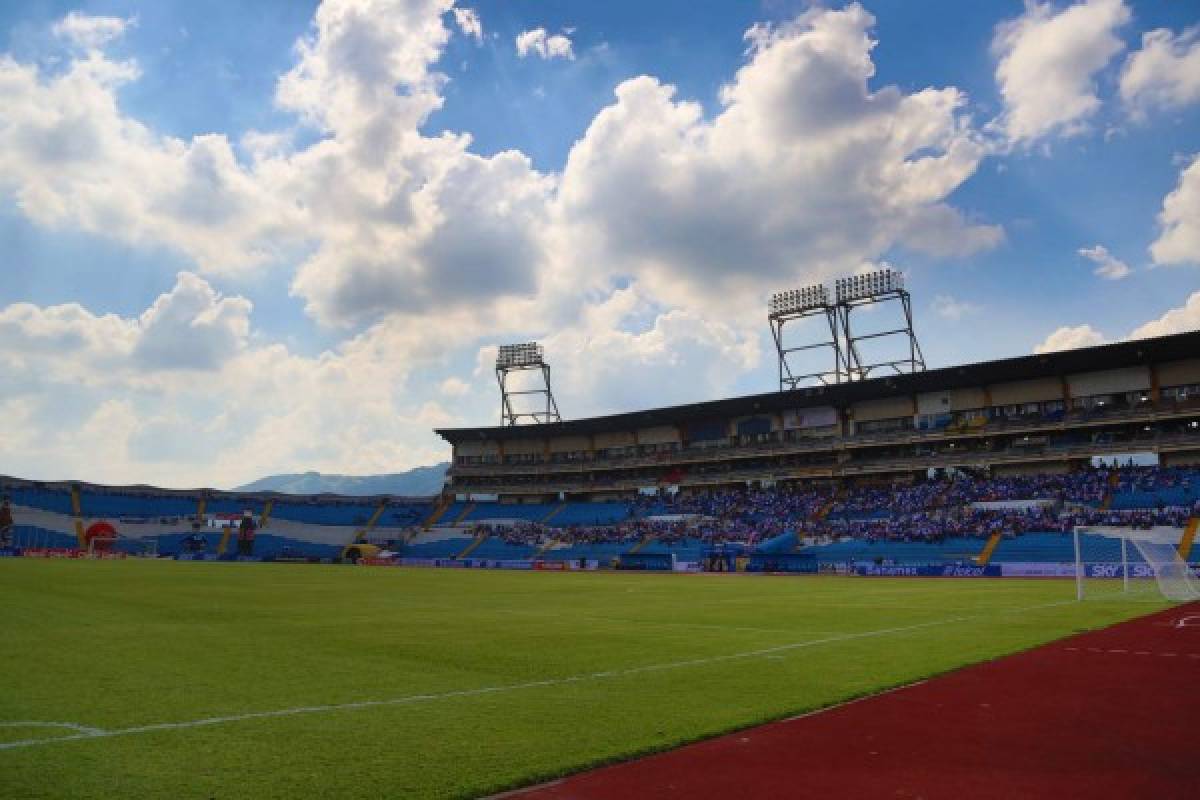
<point x="962" y="505"/>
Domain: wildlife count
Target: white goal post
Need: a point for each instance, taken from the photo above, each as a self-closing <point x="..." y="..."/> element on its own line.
<point x="1144" y="553"/>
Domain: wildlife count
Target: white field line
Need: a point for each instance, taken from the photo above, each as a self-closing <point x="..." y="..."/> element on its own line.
<point x="99" y="733"/>
<point x="68" y="725"/>
<point x="648" y="623"/>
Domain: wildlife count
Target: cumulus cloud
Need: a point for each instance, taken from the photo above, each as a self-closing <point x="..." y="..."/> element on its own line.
<point x="1048" y="60"/>
<point x="629" y="341"/>
<point x="1178" y="241"/>
<point x="71" y="158"/>
<point x="1177" y="320"/>
<point x="185" y="387"/>
<point x="89" y="32"/>
<point x="665" y="224"/>
<point x="1164" y="73"/>
<point x="804" y="173"/>
<point x="1070" y="338"/>
<point x="1108" y="266"/>
<point x="537" y="42"/>
<point x="468" y="22"/>
<point x="192" y="327"/>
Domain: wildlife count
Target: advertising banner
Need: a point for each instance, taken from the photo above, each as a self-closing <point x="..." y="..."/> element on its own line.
<point x="1037" y="569"/>
<point x="928" y="571"/>
<point x="52" y="552"/>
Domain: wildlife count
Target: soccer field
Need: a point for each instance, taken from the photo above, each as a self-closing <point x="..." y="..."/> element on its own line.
<point x="183" y="679"/>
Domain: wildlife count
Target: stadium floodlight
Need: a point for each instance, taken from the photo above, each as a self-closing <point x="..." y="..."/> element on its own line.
<point x="869" y="284"/>
<point x="793" y="301"/>
<point x="525" y="354"/>
<point x="873" y="288"/>
<point x="521" y="357"/>
<point x="793" y="305"/>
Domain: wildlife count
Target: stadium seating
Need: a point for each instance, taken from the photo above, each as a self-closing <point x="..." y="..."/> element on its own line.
<point x="946" y="520"/>
<point x="591" y="514"/>
<point x="533" y="512"/>
<point x="112" y="505"/>
<point x="58" y="501"/>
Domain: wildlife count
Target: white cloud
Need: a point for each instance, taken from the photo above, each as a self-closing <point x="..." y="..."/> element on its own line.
<point x="182" y="393"/>
<point x="71" y="159"/>
<point x="1164" y="73"/>
<point x="805" y="172"/>
<point x="90" y="32"/>
<point x="427" y="250"/>
<point x="953" y="309"/>
<point x="1177" y="320"/>
<point x="804" y="169"/>
<point x="1108" y="266"/>
<point x="1070" y="338"/>
<point x="1178" y="241"/>
<point x="628" y="342"/>
<point x="467" y="20"/>
<point x="455" y="387"/>
<point x="192" y="327"/>
<point x="544" y="45"/>
<point x="1048" y="62"/>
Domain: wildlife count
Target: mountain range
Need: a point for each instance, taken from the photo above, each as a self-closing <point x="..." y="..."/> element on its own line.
<point x="416" y="482"/>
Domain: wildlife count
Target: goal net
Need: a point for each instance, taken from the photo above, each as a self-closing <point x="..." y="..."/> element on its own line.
<point x="1128" y="559"/>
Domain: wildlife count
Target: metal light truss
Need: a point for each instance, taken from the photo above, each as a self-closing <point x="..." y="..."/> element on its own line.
<point x="874" y="288"/>
<point x="524" y="357"/>
<point x="794" y="305"/>
<point x="849" y="293"/>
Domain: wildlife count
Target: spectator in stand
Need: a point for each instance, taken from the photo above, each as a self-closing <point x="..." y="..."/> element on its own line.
<point x="6" y="523"/>
<point x="246" y="530"/>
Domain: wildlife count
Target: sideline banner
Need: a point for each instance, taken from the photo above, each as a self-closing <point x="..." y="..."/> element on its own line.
<point x="1065" y="569"/>
<point x="52" y="552"/>
<point x="1138" y="570"/>
<point x="1037" y="569"/>
<point x="929" y="571"/>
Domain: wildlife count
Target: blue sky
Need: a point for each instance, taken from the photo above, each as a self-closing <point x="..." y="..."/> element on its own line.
<point x="256" y="238"/>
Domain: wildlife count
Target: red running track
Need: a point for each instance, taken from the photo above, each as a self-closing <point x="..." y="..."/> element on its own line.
<point x="1109" y="714"/>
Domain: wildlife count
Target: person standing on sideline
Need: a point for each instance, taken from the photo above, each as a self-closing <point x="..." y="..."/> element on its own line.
<point x="6" y="523"/>
<point x="246" y="529"/>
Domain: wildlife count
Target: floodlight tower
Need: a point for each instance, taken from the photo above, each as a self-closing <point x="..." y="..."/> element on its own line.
<point x="797" y="304"/>
<point x="874" y="288"/>
<point x="524" y="357"/>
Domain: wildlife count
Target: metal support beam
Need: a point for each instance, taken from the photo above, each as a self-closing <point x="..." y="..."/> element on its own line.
<point x="524" y="358"/>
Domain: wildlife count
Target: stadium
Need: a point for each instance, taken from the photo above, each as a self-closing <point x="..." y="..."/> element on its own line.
<point x="590" y="590"/>
<point x="387" y="409"/>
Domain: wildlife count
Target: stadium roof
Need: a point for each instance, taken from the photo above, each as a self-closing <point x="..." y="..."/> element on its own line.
<point x="1088" y="359"/>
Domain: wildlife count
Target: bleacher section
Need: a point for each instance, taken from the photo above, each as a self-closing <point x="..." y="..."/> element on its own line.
<point x="532" y="512"/>
<point x="590" y="514"/>
<point x="1029" y="519"/>
<point x="948" y="521"/>
<point x="437" y="543"/>
<point x="166" y="522"/>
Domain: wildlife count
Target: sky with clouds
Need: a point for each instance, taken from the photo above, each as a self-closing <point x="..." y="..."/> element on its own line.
<point x="238" y="239"/>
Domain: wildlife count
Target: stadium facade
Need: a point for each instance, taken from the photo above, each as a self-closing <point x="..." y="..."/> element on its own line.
<point x="1041" y="413"/>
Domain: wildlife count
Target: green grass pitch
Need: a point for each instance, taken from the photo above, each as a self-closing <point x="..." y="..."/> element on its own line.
<point x="449" y="683"/>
